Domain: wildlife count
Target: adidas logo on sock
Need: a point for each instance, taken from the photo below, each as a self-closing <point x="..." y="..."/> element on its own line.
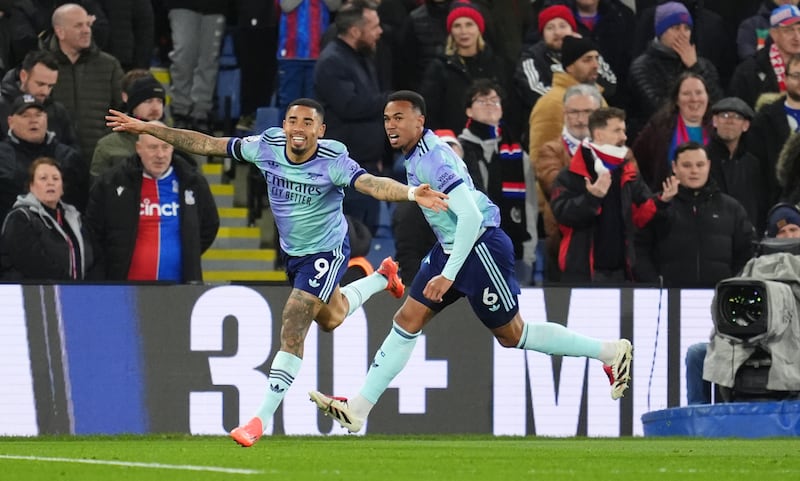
<point x="276" y="388"/>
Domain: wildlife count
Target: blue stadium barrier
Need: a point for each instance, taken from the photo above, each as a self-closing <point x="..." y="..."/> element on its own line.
<point x="742" y="420"/>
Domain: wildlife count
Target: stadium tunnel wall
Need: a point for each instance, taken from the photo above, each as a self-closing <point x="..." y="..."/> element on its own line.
<point x="110" y="359"/>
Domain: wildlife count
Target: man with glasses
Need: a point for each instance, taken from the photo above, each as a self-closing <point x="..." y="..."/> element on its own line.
<point x="579" y="102"/>
<point x="773" y="124"/>
<point x="766" y="70"/>
<point x="497" y="165"/>
<point x="736" y="171"/>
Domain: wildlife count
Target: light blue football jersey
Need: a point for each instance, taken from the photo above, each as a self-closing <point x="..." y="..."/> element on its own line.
<point x="305" y="199"/>
<point x="434" y="162"/>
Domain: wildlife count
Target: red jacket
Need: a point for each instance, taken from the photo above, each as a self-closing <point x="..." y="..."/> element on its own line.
<point x="577" y="211"/>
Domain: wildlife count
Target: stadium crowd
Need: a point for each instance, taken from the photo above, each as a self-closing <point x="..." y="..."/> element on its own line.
<point x="578" y="118"/>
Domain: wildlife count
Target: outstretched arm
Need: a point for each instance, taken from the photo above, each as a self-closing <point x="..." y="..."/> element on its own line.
<point x="186" y="140"/>
<point x="384" y="188"/>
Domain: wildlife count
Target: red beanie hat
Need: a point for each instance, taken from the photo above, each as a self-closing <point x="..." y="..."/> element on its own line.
<point x="465" y="9"/>
<point x="556" y="11"/>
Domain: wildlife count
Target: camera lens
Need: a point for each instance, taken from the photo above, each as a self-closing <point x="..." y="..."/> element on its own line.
<point x="743" y="305"/>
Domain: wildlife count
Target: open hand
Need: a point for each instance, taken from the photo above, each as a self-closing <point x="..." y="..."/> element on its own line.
<point x="669" y="188"/>
<point x="599" y="188"/>
<point x="432" y="199"/>
<point x="120" y="122"/>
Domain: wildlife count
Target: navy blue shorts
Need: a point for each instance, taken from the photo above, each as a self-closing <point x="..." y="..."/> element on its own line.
<point x="319" y="273"/>
<point x="486" y="279"/>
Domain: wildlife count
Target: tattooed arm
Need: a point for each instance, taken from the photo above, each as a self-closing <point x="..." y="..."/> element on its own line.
<point x="384" y="188"/>
<point x="186" y="140"/>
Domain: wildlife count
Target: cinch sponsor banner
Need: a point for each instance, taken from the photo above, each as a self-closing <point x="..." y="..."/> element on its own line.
<point x="87" y="359"/>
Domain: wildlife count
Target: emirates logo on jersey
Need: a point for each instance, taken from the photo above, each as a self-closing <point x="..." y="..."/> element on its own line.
<point x="154" y="209"/>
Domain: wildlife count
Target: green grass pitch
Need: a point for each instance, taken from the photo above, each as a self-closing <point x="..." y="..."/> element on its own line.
<point x="390" y="458"/>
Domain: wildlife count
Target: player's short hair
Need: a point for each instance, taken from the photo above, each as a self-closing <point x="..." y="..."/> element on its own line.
<point x="310" y="103"/>
<point x="409" y="96"/>
<point x="600" y="117"/>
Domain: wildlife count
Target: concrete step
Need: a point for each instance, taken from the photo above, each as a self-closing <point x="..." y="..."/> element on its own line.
<point x="237" y="238"/>
<point x="223" y="194"/>
<point x="218" y="276"/>
<point x="212" y="173"/>
<point x="232" y="216"/>
<point x="239" y="259"/>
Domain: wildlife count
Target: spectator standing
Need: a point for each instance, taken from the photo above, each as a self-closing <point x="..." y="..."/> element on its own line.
<point x="538" y="62"/>
<point x="554" y="155"/>
<point x="608" y="24"/>
<point x="765" y="72"/>
<point x="43" y="238"/>
<point x="133" y="27"/>
<point x="753" y="32"/>
<point x="197" y="29"/>
<point x="346" y="84"/>
<point x="496" y="164"/>
<point x="704" y="235"/>
<point x="256" y="23"/>
<point x="773" y="125"/>
<point x="684" y="116"/>
<point x="599" y="201"/>
<point x="37" y="76"/>
<point x="736" y="171"/>
<point x="29" y="139"/>
<point x="667" y="57"/>
<point x="467" y="58"/>
<point x="581" y="62"/>
<point x="144" y="99"/>
<point x="88" y="78"/>
<point x="300" y="29"/>
<point x="424" y="36"/>
<point x="712" y="38"/>
<point x="153" y="216"/>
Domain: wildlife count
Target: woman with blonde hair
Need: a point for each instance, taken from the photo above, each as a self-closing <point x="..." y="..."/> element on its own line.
<point x="467" y="58"/>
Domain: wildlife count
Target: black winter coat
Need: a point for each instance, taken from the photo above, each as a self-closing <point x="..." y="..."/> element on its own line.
<point x="741" y="177"/>
<point x="34" y="247"/>
<point x="346" y="84"/>
<point x="768" y="131"/>
<point x="113" y="217"/>
<point x="753" y="77"/>
<point x="704" y="236"/>
<point x="87" y="89"/>
<point x="445" y="84"/>
<point x="424" y="37"/>
<point x="653" y="74"/>
<point x="134" y="32"/>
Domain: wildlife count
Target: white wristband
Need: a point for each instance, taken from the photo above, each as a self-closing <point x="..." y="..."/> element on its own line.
<point x="411" y="195"/>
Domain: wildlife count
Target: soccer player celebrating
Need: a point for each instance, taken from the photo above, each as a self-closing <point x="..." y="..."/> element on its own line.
<point x="474" y="259"/>
<point x="305" y="177"/>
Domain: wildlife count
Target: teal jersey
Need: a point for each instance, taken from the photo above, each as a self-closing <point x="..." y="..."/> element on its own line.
<point x="433" y="162"/>
<point x="305" y="199"/>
